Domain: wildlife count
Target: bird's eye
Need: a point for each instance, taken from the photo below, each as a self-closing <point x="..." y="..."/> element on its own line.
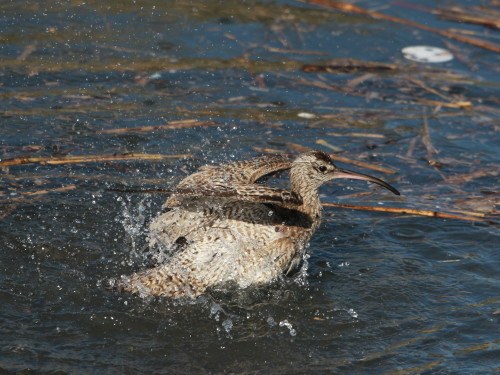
<point x="322" y="168"/>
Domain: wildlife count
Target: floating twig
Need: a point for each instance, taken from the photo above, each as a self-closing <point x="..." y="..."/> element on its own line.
<point x="90" y="158"/>
<point x="46" y="191"/>
<point x="460" y="104"/>
<point x="408" y="211"/>
<point x="15" y="195"/>
<point x="462" y="178"/>
<point x="182" y="124"/>
<point x="327" y="86"/>
<point x="477" y="15"/>
<point x="293" y="51"/>
<point x="426" y="138"/>
<point x="464" y="58"/>
<point x="354" y="134"/>
<point x="322" y="142"/>
<point x="489" y="192"/>
<point x="429" y="89"/>
<point x="351" y="66"/>
<point x="28" y="50"/>
<point x="411" y="147"/>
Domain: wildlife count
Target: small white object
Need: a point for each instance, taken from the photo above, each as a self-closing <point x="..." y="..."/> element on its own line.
<point x="427" y="54"/>
<point x="306" y="115"/>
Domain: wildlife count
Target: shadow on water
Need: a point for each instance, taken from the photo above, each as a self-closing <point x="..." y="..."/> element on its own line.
<point x="117" y="85"/>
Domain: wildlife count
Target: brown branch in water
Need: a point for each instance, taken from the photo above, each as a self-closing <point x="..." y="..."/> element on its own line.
<point x="429" y="89"/>
<point x="377" y="15"/>
<point x="351" y="66"/>
<point x="489" y="192"/>
<point x="411" y="147"/>
<point x="408" y="211"/>
<point x="461" y="56"/>
<point x="437" y="103"/>
<point x="328" y="86"/>
<point x="322" y="142"/>
<point x="355" y="134"/>
<point x="28" y="50"/>
<point x="463" y="178"/>
<point x="89" y="159"/>
<point x="361" y="79"/>
<point x="37" y="192"/>
<point x="182" y="124"/>
<point x="426" y="138"/>
<point x="46" y="191"/>
<point x="293" y="51"/>
<point x="477" y="15"/>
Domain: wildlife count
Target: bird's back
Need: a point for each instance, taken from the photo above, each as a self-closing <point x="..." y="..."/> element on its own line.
<point x="211" y="194"/>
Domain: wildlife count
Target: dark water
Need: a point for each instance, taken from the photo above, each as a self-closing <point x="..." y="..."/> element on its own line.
<point x="379" y="293"/>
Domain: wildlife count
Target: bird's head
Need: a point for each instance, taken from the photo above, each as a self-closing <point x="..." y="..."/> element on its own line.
<point x="316" y="167"/>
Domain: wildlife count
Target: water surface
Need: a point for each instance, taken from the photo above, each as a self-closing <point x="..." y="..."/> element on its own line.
<point x="378" y="294"/>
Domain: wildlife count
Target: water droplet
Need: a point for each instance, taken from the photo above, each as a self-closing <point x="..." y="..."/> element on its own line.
<point x="228" y="325"/>
<point x="352" y="313"/>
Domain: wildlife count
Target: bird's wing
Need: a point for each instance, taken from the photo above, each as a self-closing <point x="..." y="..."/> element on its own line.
<point x="243" y="172"/>
<point x="243" y="192"/>
<point x="236" y="180"/>
<point x="249" y="171"/>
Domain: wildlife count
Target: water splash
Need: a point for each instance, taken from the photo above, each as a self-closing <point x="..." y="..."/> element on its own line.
<point x="270" y="320"/>
<point x="352" y="313"/>
<point x="134" y="219"/>
<point x="228" y="325"/>
<point x="285" y="323"/>
<point x="301" y="277"/>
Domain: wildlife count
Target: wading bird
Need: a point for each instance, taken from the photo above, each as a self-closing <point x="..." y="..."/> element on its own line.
<point x="221" y="226"/>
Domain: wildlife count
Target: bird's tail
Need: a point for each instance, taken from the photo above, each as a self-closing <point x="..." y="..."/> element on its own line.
<point x="158" y="281"/>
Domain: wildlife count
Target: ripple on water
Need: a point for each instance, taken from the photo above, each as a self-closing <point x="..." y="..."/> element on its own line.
<point x="408" y="233"/>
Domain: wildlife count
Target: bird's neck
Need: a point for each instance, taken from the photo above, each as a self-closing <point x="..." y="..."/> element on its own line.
<point x="309" y="193"/>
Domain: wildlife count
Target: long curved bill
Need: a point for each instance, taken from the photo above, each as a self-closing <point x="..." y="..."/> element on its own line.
<point x="346" y="173"/>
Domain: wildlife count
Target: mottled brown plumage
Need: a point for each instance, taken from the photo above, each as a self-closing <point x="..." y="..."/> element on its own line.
<point x="221" y="226"/>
